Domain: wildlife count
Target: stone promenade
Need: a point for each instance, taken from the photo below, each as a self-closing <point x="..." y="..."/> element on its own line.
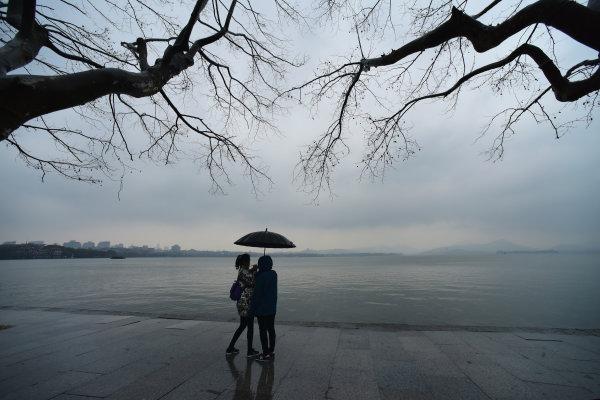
<point x="69" y="356"/>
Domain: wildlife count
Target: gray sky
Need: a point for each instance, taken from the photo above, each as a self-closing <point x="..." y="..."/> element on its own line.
<point x="544" y="192"/>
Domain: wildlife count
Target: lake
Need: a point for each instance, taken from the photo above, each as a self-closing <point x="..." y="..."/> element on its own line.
<point x="510" y="290"/>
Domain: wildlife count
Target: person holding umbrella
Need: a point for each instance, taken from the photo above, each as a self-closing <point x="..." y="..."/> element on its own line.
<point x="264" y="297"/>
<point x="264" y="306"/>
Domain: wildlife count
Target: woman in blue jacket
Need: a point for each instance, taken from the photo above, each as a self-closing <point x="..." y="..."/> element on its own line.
<point x="264" y="306"/>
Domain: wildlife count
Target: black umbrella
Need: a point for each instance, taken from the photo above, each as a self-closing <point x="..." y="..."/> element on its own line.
<point x="265" y="239"/>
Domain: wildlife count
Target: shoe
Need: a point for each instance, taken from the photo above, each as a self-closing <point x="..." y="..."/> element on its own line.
<point x="265" y="357"/>
<point x="252" y="354"/>
<point x="230" y="352"/>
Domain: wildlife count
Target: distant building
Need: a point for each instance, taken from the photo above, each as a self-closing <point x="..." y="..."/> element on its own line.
<point x="118" y="246"/>
<point x="10" y="242"/>
<point x="37" y="242"/>
<point x="72" y="244"/>
<point x="103" y="245"/>
<point x="88" y="245"/>
<point x="176" y="248"/>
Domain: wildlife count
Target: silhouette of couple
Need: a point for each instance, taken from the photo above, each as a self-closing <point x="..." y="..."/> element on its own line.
<point x="258" y="299"/>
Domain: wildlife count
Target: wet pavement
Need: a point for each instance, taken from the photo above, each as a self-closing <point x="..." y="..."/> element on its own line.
<point x="77" y="356"/>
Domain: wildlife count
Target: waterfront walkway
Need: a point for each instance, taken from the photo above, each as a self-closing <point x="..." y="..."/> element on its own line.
<point x="74" y="356"/>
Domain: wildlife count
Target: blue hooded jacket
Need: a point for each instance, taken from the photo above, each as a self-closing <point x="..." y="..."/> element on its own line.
<point x="264" y="299"/>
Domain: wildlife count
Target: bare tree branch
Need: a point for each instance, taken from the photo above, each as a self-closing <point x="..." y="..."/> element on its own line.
<point x="240" y="64"/>
<point x="386" y="138"/>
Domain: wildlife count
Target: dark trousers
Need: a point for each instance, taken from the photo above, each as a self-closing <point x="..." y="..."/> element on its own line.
<point x="266" y="326"/>
<point x="245" y="323"/>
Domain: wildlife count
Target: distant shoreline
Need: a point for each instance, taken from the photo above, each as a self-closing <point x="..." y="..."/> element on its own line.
<point x="31" y="251"/>
<point x="49" y="252"/>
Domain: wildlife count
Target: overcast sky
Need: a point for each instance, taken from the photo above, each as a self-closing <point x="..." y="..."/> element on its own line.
<point x="544" y="192"/>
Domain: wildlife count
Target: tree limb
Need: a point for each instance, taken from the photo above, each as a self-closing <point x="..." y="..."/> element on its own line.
<point x="34" y="95"/>
<point x="571" y="18"/>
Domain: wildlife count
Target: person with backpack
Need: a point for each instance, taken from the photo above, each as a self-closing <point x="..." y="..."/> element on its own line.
<point x="264" y="306"/>
<point x="242" y="291"/>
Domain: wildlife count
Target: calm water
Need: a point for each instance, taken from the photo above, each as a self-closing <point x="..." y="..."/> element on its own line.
<point x="505" y="290"/>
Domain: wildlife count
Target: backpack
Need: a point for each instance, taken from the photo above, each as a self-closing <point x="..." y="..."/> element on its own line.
<point x="236" y="291"/>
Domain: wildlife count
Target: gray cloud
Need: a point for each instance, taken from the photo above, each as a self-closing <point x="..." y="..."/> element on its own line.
<point x="544" y="192"/>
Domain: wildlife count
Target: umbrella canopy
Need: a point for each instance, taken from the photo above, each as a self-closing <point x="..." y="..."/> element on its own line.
<point x="265" y="239"/>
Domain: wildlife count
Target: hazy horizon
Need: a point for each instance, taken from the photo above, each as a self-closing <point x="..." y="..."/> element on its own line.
<point x="500" y="244"/>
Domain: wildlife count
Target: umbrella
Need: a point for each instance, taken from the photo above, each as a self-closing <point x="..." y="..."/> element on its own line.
<point x="265" y="239"/>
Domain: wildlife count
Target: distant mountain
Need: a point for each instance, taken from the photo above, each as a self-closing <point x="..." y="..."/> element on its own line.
<point x="327" y="251"/>
<point x="485" y="248"/>
<point x="341" y="252"/>
<point x="577" y="248"/>
<point x="399" y="249"/>
<point x="498" y="246"/>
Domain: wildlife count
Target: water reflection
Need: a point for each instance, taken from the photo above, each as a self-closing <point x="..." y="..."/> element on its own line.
<point x="243" y="380"/>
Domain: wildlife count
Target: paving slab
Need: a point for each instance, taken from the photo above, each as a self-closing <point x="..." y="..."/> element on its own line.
<point x="560" y="392"/>
<point x="184" y="325"/>
<point x="387" y="346"/>
<point x="402" y="379"/>
<point x="441" y="337"/>
<point x="584" y="380"/>
<point x="516" y="341"/>
<point x="107" y="384"/>
<point x="75" y="352"/>
<point x="51" y="387"/>
<point x="107" y="319"/>
<point x="45" y="344"/>
<point x="179" y="370"/>
<point x="68" y="356"/>
<point x="591" y="343"/>
<point x="300" y="389"/>
<point x="214" y="381"/>
<point x="451" y="388"/>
